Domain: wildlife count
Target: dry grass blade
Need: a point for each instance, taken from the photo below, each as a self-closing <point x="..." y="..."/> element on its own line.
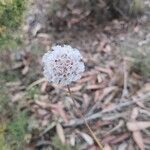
<point x="36" y="83"/>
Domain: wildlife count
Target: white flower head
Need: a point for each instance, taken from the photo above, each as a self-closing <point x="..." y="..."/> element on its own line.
<point x="63" y="65"/>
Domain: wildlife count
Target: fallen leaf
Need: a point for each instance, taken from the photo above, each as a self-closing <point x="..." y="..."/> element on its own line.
<point x="123" y="146"/>
<point x="105" y="70"/>
<point x="44" y="86"/>
<point x="17" y="96"/>
<point x="72" y="140"/>
<point x="107" y="48"/>
<point x="117" y="78"/>
<point x="58" y="109"/>
<point x="44" y="122"/>
<point x="108" y="139"/>
<point x="138" y="139"/>
<point x="87" y="138"/>
<point x="93" y="87"/>
<point x="145" y="89"/>
<point x="85" y="79"/>
<point x="60" y="132"/>
<point x="86" y="101"/>
<point x="102" y="45"/>
<point x="138" y="125"/>
<point x="48" y="128"/>
<point x="120" y="138"/>
<point x="25" y="70"/>
<point x="90" y="73"/>
<point x="146" y="140"/>
<point x="42" y="112"/>
<point x="17" y="65"/>
<point x="110" y="97"/>
<point x="139" y="103"/>
<point x="43" y="104"/>
<point x="76" y="88"/>
<point x="99" y="78"/>
<point x="106" y="147"/>
<point x="44" y="36"/>
<point x="92" y="147"/>
<point x="134" y="113"/>
<point x="106" y="91"/>
<point x="131" y="145"/>
<point x="145" y="112"/>
<point x="97" y="95"/>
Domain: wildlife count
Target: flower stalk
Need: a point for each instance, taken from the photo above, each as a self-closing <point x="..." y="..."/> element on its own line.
<point x="87" y="125"/>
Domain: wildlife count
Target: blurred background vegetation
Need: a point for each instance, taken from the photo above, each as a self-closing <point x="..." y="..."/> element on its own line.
<point x="11" y="16"/>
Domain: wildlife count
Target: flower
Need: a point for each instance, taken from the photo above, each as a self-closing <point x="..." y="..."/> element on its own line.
<point x="63" y="65"/>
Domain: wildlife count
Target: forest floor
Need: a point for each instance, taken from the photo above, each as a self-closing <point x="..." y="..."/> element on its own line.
<point x="113" y="93"/>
